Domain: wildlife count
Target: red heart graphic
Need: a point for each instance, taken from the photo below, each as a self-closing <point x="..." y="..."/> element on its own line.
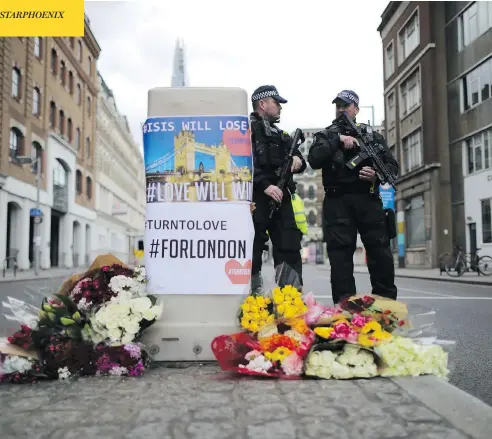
<point x="237" y="143"/>
<point x="237" y="273"/>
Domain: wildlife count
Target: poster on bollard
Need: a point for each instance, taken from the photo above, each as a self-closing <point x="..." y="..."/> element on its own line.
<point x="198" y="226"/>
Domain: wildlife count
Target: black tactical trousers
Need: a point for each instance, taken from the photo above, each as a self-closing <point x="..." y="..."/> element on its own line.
<point x="282" y="231"/>
<point x="344" y="215"/>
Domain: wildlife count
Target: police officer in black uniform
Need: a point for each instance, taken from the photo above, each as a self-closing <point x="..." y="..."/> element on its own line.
<point x="352" y="203"/>
<point x="270" y="147"/>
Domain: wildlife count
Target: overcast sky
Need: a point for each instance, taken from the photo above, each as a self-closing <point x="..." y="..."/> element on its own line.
<point x="310" y="50"/>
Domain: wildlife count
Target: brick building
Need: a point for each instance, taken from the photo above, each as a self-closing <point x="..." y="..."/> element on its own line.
<point x="416" y="126"/>
<point x="48" y="110"/>
<point x="438" y="95"/>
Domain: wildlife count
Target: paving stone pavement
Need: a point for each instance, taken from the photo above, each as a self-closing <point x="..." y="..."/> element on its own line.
<point x="202" y="402"/>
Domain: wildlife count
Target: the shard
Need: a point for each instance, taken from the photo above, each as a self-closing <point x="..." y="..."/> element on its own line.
<point x="180" y="77"/>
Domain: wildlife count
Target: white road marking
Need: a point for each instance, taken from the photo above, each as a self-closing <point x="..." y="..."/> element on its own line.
<point x="448" y="298"/>
<point x="424" y="292"/>
<point x="427" y="298"/>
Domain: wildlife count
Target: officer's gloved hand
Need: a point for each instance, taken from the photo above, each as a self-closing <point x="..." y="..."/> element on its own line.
<point x="349" y="142"/>
<point x="274" y="192"/>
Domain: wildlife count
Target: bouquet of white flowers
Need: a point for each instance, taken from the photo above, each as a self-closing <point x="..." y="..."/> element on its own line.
<point x="351" y="361"/>
<point x="407" y="357"/>
<point x="123" y="319"/>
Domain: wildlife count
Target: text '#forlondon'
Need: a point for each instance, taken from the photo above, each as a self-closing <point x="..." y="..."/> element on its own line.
<point x="197" y="248"/>
<point x="198" y="159"/>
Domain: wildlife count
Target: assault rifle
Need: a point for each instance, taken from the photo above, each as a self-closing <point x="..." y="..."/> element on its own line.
<point x="367" y="151"/>
<point x="284" y="172"/>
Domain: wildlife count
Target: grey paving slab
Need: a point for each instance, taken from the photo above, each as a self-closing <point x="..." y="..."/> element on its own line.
<point x="203" y="402"/>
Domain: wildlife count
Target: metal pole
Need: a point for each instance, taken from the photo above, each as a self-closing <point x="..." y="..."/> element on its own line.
<point x="37" y="238"/>
<point x="373" y="122"/>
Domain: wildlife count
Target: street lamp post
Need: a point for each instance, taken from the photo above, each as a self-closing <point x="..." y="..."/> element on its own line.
<point x="372" y="110"/>
<point x="37" y="235"/>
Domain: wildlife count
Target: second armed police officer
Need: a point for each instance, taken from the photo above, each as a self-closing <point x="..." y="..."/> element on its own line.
<point x="270" y="147"/>
<point x="352" y="203"/>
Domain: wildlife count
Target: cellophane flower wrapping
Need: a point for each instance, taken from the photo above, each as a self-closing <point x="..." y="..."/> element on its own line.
<point x="416" y="348"/>
<point x="275" y="338"/>
<point x="91" y="327"/>
<point x="367" y="336"/>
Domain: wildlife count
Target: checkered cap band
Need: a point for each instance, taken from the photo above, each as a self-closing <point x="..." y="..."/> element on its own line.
<point x="263" y="95"/>
<point x="348" y="95"/>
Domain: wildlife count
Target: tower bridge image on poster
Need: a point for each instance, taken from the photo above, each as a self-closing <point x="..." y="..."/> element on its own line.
<point x="208" y="163"/>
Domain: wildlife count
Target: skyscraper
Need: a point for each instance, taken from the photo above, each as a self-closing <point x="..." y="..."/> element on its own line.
<point x="180" y="77"/>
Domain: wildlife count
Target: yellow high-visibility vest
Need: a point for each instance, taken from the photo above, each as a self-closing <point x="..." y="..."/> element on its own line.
<point x="300" y="216"/>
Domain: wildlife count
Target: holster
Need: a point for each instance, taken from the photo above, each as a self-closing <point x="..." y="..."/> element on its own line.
<point x="391" y="223"/>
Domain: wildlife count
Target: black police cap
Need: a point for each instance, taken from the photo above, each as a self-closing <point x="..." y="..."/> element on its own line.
<point x="267" y="91"/>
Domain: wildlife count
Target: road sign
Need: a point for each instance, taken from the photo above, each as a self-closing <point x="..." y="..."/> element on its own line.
<point x="388" y="196"/>
<point x="35" y="212"/>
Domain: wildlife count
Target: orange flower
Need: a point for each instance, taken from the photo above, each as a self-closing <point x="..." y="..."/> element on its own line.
<point x="278" y="340"/>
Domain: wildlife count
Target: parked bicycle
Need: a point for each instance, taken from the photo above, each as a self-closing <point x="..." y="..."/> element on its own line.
<point x="461" y="262"/>
<point x="10" y="261"/>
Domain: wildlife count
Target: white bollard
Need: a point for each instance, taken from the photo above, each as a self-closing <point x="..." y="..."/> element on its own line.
<point x="199" y="181"/>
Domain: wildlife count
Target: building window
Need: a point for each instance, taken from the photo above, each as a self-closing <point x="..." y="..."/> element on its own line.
<point x="412" y="151"/>
<point x="390" y="60"/>
<point x="87" y="147"/>
<point x="61" y="122"/>
<point x="36" y="154"/>
<point x="38" y="47"/>
<point x="88" y="106"/>
<point x="52" y="114"/>
<point x="409" y="38"/>
<point x="70" y="82"/>
<point x="16" y="83"/>
<point x="78" y="182"/>
<point x="475" y="21"/>
<point x="410" y="93"/>
<point x="77" y="139"/>
<point x="79" y="50"/>
<point x="70" y="130"/>
<point x="487" y="221"/>
<point x="63" y="73"/>
<point x="15" y="143"/>
<point x="479" y="151"/>
<point x="311" y="218"/>
<point x="59" y="175"/>
<point x="79" y="94"/>
<point x="90" y="66"/>
<point x="391" y="109"/>
<point x="54" y="61"/>
<point x="415" y="221"/>
<point x="88" y="187"/>
<point x="36" y="101"/>
<point x="311" y="193"/>
<point x="477" y="85"/>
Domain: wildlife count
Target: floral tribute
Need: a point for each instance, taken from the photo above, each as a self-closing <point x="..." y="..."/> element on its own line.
<point x="91" y="327"/>
<point x="276" y="338"/>
<point x="286" y="334"/>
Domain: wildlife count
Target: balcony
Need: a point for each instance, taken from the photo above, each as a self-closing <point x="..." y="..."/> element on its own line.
<point x="60" y="198"/>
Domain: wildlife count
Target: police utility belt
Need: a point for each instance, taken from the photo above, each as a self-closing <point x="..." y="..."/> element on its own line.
<point x="350" y="188"/>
